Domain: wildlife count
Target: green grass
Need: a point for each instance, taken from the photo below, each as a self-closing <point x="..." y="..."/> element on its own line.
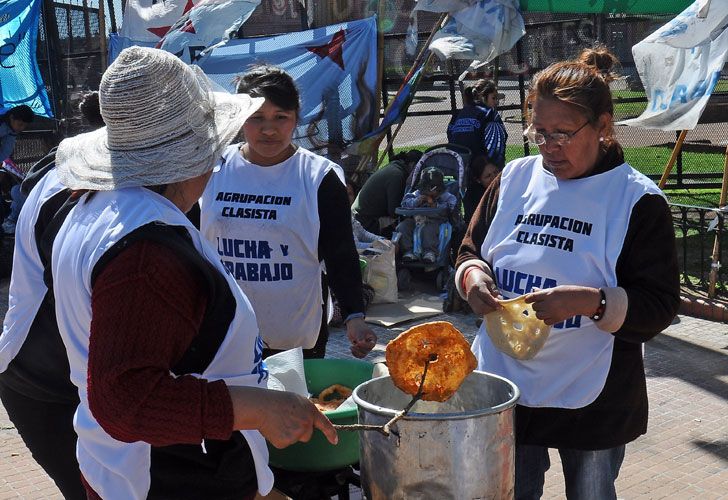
<point x="706" y="198"/>
<point x="623" y="110"/>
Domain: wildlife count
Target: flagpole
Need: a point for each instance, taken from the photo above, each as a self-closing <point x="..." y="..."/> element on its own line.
<point x="415" y="64"/>
<point x="102" y="33"/>
<point x="390" y="143"/>
<point x="715" y="263"/>
<point x="381" y="9"/>
<point x="673" y="157"/>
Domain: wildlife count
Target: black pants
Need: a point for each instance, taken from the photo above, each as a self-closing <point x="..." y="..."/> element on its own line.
<point x="47" y="430"/>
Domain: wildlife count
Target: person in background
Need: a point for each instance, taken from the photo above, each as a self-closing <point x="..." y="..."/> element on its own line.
<point x="162" y="344"/>
<point x="482" y="171"/>
<point x="363" y="239"/>
<point x="11" y="124"/>
<point x="277" y="214"/>
<point x="382" y="193"/>
<point x="478" y="125"/>
<point x="430" y="193"/>
<point x="590" y="243"/>
<point x="35" y="387"/>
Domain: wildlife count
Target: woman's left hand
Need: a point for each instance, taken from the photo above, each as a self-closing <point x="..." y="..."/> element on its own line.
<point x="362" y="337"/>
<point x="553" y="305"/>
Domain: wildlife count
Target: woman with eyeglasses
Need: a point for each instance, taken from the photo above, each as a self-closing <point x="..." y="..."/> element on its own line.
<point x="589" y="241"/>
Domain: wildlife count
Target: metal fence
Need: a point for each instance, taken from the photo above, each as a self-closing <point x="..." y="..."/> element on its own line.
<point x="70" y="59"/>
<point x="701" y="243"/>
<point x="550" y="38"/>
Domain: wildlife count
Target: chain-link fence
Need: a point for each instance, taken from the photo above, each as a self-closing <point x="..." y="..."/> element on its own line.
<point x="71" y="61"/>
<point x="550" y="38"/>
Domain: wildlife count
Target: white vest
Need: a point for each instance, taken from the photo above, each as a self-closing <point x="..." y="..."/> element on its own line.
<point x="265" y="225"/>
<point x="549" y="232"/>
<point x="115" y="469"/>
<point x="27" y="287"/>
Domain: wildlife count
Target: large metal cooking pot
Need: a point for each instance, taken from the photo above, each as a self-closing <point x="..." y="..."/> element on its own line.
<point x="462" y="448"/>
<point x="318" y="454"/>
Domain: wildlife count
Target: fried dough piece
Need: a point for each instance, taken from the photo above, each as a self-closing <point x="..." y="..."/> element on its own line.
<point x="515" y="330"/>
<point x="335" y="392"/>
<point x="327" y="405"/>
<point x="331" y="397"/>
<point x="440" y="342"/>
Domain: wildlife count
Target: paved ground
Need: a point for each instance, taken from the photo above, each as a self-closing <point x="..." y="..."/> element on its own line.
<point x="683" y="456"/>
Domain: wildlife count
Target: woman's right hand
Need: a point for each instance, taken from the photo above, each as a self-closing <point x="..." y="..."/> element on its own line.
<point x="283" y="418"/>
<point x="481" y="291"/>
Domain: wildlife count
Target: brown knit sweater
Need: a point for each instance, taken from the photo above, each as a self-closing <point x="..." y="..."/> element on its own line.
<point x="131" y="391"/>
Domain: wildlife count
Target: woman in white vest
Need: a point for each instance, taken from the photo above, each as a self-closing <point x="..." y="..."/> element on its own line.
<point x="277" y="213"/>
<point x="589" y="241"/>
<point x="162" y="344"/>
<point x="35" y="386"/>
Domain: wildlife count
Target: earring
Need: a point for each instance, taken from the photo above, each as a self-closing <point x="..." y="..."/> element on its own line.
<point x="601" y="139"/>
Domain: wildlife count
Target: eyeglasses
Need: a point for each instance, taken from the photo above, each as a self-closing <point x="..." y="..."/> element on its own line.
<point x="558" y="138"/>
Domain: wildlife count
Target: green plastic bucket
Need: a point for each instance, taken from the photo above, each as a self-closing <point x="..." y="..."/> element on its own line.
<point x="318" y="454"/>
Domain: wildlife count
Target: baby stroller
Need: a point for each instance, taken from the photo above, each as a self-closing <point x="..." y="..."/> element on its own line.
<point x="452" y="161"/>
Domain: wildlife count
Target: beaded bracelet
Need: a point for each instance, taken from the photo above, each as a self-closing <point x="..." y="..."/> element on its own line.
<point x="602" y="306"/>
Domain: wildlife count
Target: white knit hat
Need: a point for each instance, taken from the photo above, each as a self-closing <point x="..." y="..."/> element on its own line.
<point x="164" y="124"/>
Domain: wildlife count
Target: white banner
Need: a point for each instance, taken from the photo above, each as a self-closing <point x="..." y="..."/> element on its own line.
<point x="149" y="20"/>
<point x="679" y="65"/>
<point x="207" y="23"/>
<point x="476" y="29"/>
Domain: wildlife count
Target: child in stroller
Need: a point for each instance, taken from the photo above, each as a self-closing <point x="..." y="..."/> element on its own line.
<point x="430" y="194"/>
<point x="450" y="161"/>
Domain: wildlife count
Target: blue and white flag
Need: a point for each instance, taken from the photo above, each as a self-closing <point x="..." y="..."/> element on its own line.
<point x="396" y="112"/>
<point x="20" y="80"/>
<point x="205" y="24"/>
<point x="117" y="43"/>
<point x="476" y="29"/>
<point x="680" y="64"/>
<point x="146" y="22"/>
<point x="335" y="69"/>
<point x="150" y="20"/>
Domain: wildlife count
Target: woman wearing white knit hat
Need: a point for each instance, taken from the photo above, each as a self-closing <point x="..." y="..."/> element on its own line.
<point x="162" y="344"/>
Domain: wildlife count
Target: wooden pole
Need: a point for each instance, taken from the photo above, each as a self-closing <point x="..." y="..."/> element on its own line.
<point x="102" y="34"/>
<point x="714" y="261"/>
<point x="381" y="10"/>
<point x="390" y="144"/>
<point x="425" y="48"/>
<point x="673" y="157"/>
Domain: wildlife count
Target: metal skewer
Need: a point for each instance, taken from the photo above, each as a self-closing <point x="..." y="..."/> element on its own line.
<point x="385" y="429"/>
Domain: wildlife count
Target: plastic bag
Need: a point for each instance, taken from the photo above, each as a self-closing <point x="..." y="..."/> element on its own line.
<point x="381" y="273"/>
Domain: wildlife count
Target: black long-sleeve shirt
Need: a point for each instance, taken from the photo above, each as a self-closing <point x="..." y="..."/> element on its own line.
<point x="336" y="245"/>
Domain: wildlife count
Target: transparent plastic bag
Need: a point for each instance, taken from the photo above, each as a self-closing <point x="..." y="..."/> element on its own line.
<point x="381" y="273"/>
